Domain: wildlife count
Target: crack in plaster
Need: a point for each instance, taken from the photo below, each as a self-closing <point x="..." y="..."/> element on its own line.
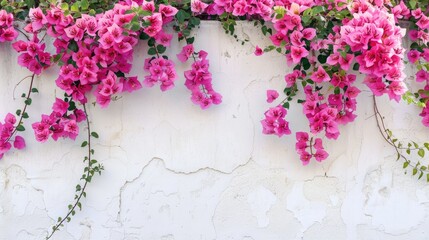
<point x="124" y="186"/>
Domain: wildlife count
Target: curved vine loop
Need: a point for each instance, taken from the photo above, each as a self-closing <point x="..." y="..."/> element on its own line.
<point x="90" y="170"/>
<point x="399" y="146"/>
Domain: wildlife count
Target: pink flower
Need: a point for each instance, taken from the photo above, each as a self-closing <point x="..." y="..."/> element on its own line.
<point x="422" y="76"/>
<point x="320" y="75"/>
<point x="10" y="118"/>
<point x="302" y="136"/>
<point x="258" y="51"/>
<point x="167" y="10"/>
<point x="309" y="33"/>
<point x="321" y="155"/>
<point x="297" y="53"/>
<point x="272" y="95"/>
<point x="38" y="19"/>
<point x="60" y="106"/>
<point x="296" y="38"/>
<point x="345" y="62"/>
<point x="186" y="52"/>
<point x="164" y="38"/>
<point x="305" y="158"/>
<point x="413" y="56"/>
<point x="423" y="23"/>
<point x="198" y="7"/>
<point x="131" y="84"/>
<point x="19" y="142"/>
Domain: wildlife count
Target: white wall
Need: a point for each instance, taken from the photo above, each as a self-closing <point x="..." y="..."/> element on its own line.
<point x="173" y="171"/>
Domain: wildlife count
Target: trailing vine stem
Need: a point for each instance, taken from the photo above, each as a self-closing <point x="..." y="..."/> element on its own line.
<point x="89" y="171"/>
<point x="23" y="113"/>
<point x="399" y="147"/>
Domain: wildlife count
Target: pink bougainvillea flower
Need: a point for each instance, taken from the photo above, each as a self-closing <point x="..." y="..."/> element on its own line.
<point x="422" y="76"/>
<point x="60" y="106"/>
<point x="320" y="75"/>
<point x="345" y="62"/>
<point x="164" y="38"/>
<point x="297" y="53"/>
<point x="320" y="155"/>
<point x="186" y="52"/>
<point x="296" y="38"/>
<point x="413" y="55"/>
<point x="131" y="84"/>
<point x="302" y="136"/>
<point x="423" y="23"/>
<point x="167" y="10"/>
<point x="10" y="118"/>
<point x="258" y="51"/>
<point x="198" y="7"/>
<point x="309" y="33"/>
<point x="19" y="142"/>
<point x="272" y="95"/>
<point x="38" y="19"/>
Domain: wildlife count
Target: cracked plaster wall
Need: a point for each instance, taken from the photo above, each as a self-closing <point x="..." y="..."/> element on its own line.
<point x="176" y="172"/>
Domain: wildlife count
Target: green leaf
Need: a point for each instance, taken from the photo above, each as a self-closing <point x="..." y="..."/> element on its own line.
<point x="73" y="46"/>
<point x="94" y="134"/>
<point x="356" y="66"/>
<point x="18" y="112"/>
<point x="151" y="42"/>
<point x="414" y="171"/>
<point x="20" y="128"/>
<point x="84" y="4"/>
<point x="28" y="101"/>
<point x="84" y="144"/>
<point x="305" y="63"/>
<point x="421" y="152"/>
<point x="161" y="49"/>
<point x="317" y="10"/>
<point x="30" y="3"/>
<point x="306" y="19"/>
<point x="25" y="115"/>
<point x="405" y="164"/>
<point x="413" y="4"/>
<point x="286" y="105"/>
<point x="337" y="90"/>
<point x="194" y="21"/>
<point x="75" y="7"/>
<point x="181" y="16"/>
<point x="322" y="58"/>
<point x="151" y="51"/>
<point x="135" y="26"/>
<point x="144" y="36"/>
<point x="34" y="90"/>
<point x="186" y="32"/>
<point x="64" y="6"/>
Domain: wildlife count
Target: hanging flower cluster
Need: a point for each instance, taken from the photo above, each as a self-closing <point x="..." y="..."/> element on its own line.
<point x="60" y="123"/>
<point x="365" y="35"/>
<point x="7" y="130"/>
<point x="7" y="31"/>
<point x="95" y="53"/>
